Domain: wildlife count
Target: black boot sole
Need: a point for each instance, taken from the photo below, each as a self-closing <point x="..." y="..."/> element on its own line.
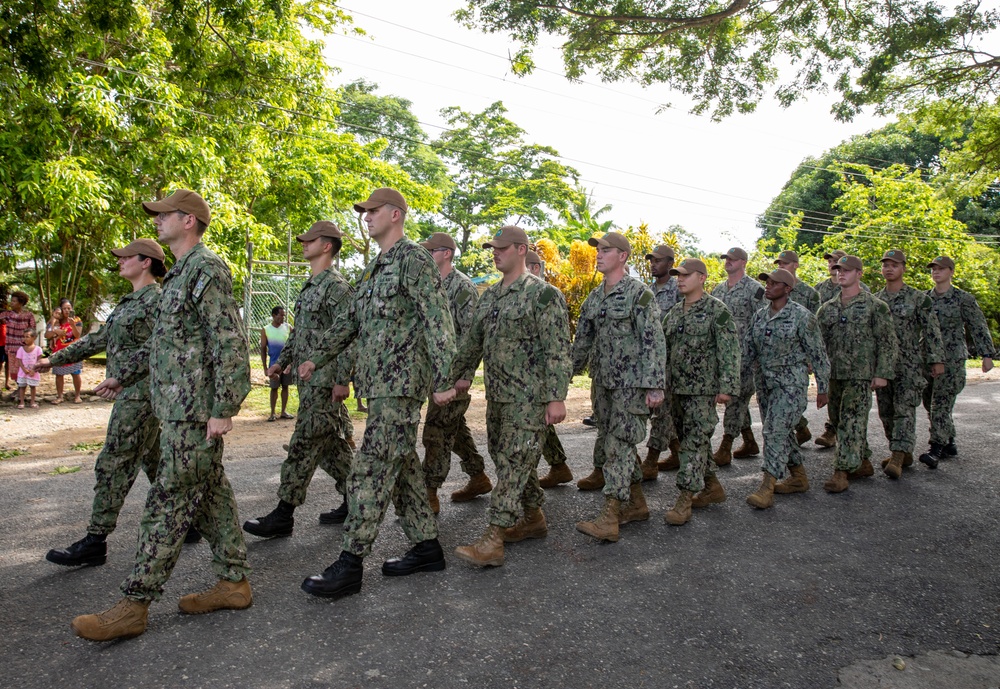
<point x="390" y="571"/>
<point x="325" y="518"/>
<point x="341" y="592"/>
<point x="929" y="461"/>
<point x="258" y="530"/>
<point x="92" y="561"/>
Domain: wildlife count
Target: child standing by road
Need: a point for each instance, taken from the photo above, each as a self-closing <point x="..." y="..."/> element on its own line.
<point x="27" y="356"/>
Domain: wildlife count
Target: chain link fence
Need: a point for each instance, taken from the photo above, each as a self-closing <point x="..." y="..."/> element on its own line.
<point x="269" y="284"/>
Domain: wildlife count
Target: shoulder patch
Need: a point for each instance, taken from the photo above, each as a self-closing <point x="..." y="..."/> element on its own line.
<point x="881" y="306"/>
<point x="547" y="295"/>
<point x="927" y="303"/>
<point x="759" y="295"/>
<point x="463" y="297"/>
<point x="723" y="317"/>
<point x="646" y="297"/>
<point x="200" y="285"/>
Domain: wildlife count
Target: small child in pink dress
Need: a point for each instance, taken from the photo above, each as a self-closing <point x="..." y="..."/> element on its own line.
<point x="28" y="355"/>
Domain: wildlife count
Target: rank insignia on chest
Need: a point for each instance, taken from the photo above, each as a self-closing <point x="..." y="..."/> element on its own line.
<point x="767" y="333"/>
<point x="843" y="319"/>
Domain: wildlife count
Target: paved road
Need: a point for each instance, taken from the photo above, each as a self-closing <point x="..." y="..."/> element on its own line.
<point x="737" y="598"/>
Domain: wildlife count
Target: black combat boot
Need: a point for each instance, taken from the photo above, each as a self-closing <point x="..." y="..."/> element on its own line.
<point x="932" y="456"/>
<point x="91" y="550"/>
<point x="342" y="578"/>
<point x="278" y="523"/>
<point x="335" y="516"/>
<point x="951" y="449"/>
<point x="425" y="556"/>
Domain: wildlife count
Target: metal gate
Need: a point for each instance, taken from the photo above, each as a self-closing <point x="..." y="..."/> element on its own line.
<point x="270" y="284"/>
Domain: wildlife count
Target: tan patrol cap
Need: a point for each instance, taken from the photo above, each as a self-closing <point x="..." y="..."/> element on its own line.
<point x="323" y="228"/>
<point x="894" y="255"/>
<point x="183" y="200"/>
<point x="736" y="254"/>
<point x="942" y="262"/>
<point x="835" y="255"/>
<point x="849" y="262"/>
<point x="507" y="235"/>
<point x="662" y="251"/>
<point x="531" y="258"/>
<point x="380" y="197"/>
<point x="779" y="275"/>
<point x="688" y="266"/>
<point x="615" y="240"/>
<point x="439" y="240"/>
<point x="147" y="247"/>
<point x="787" y="257"/>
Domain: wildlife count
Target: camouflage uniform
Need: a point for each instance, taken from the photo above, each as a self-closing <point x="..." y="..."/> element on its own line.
<point x="703" y="360"/>
<point x="445" y="429"/>
<point x="861" y="344"/>
<point x="919" y="340"/>
<point x="404" y="338"/>
<point x="320" y="436"/>
<point x="956" y="311"/>
<point x="133" y="437"/>
<point x="743" y="300"/>
<point x="661" y="423"/>
<point x="785" y="345"/>
<point x="521" y="334"/>
<point x="197" y="362"/>
<point x="806" y="296"/>
<point x="828" y="289"/>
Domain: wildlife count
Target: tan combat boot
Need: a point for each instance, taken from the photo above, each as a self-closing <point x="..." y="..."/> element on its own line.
<point x="635" y="510"/>
<point x="907" y="459"/>
<point x="680" y="513"/>
<point x="712" y="493"/>
<point x="650" y="469"/>
<point x="796" y="483"/>
<point x="749" y="447"/>
<point x="477" y="485"/>
<point x="764" y="497"/>
<point x="828" y="439"/>
<point x="487" y="551"/>
<point x="351" y="443"/>
<point x="531" y="525"/>
<point x="894" y="467"/>
<point x="836" y="483"/>
<point x="886" y="461"/>
<point x="126" y="619"/>
<point x="802" y="435"/>
<point x="225" y="595"/>
<point x="605" y="527"/>
<point x="673" y="462"/>
<point x="595" y="481"/>
<point x="864" y="471"/>
<point x="432" y="498"/>
<point x="724" y="455"/>
<point x="558" y="474"/>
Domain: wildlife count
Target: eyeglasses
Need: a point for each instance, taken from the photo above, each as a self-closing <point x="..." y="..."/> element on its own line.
<point x="440" y="248"/>
<point x="163" y="215"/>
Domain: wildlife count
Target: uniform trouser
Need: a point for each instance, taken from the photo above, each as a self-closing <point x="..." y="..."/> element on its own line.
<point x="345" y="420"/>
<point x="319" y="439"/>
<point x="552" y="448"/>
<point x="514" y="439"/>
<point x="445" y="431"/>
<point x="620" y="415"/>
<point x="387" y="468"/>
<point x="695" y="419"/>
<point x="801" y="423"/>
<point x="738" y="410"/>
<point x="661" y="428"/>
<point x="191" y="488"/>
<point x="897" y="409"/>
<point x="133" y="441"/>
<point x="782" y="401"/>
<point x="939" y="400"/>
<point x="852" y="400"/>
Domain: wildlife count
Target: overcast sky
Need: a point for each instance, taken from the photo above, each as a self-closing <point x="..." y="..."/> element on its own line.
<point x="667" y="168"/>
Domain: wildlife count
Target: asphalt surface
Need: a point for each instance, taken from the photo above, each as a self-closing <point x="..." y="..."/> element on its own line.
<point x="820" y="590"/>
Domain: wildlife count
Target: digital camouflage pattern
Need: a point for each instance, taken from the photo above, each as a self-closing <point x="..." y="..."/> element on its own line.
<point x="445" y="428"/>
<point x="703" y="360"/>
<point x="133" y="437"/>
<point x="321" y="427"/>
<point x="805" y="295"/>
<point x="661" y="424"/>
<point x="861" y="343"/>
<point x="957" y="311"/>
<point x="521" y="334"/>
<point x="743" y="300"/>
<point x="919" y="339"/>
<point x="552" y="447"/>
<point x="828" y="289"/>
<point x="666" y="294"/>
<point x="620" y="337"/>
<point x="783" y="346"/>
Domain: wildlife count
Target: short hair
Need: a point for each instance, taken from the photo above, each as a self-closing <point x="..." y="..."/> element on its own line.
<point x="156" y="266"/>
<point x="276" y="309"/>
<point x="202" y="227"/>
<point x="29" y="333"/>
<point x="21" y="297"/>
<point x="402" y="212"/>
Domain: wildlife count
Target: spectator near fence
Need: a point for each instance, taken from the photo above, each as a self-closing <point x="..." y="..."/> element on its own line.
<point x="272" y="340"/>
<point x="64" y="329"/>
<point x="18" y="321"/>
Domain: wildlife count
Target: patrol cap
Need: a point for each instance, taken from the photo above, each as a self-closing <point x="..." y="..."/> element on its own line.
<point x="779" y="275"/>
<point x="531" y="258"/>
<point x="507" y="235"/>
<point x="662" y="251"/>
<point x="439" y="240"/>
<point x="894" y="255"/>
<point x="688" y="266"/>
<point x="323" y="228"/>
<point x="183" y="200"/>
<point x="942" y="262"/>
<point x="736" y="253"/>
<point x="849" y="262"/>
<point x="147" y="247"/>
<point x="380" y="197"/>
<point x="836" y="255"/>
<point x="787" y="257"/>
<point x="614" y="240"/>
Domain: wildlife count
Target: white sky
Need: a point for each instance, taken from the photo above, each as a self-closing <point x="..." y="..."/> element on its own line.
<point x="675" y="167"/>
